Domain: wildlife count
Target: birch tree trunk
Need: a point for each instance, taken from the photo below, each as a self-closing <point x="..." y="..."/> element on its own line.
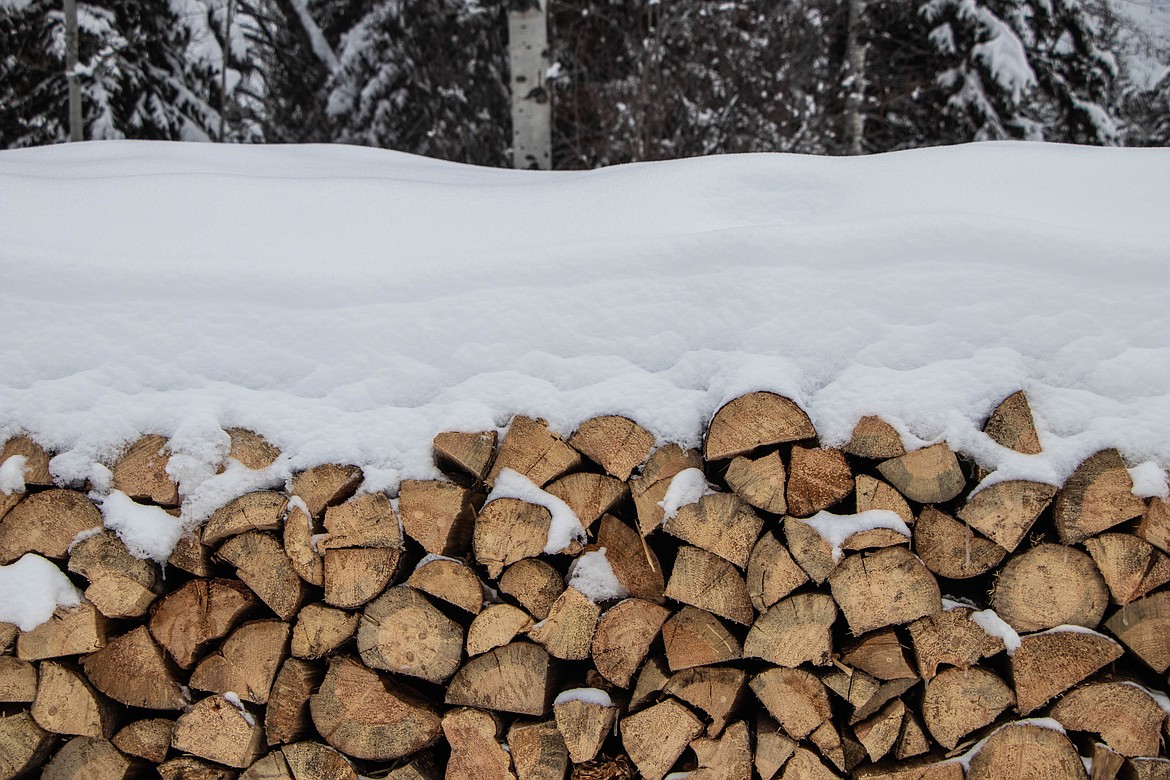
<point x="531" y="107"/>
<point x="76" y="129"/>
<point x="854" y="80"/>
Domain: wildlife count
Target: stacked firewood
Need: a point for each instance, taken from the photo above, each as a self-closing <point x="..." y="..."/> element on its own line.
<point x="598" y="607"/>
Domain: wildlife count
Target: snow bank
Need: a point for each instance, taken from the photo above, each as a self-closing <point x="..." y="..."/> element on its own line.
<point x="835" y="529"/>
<point x="12" y="474"/>
<point x="31" y="589"/>
<point x="686" y="487"/>
<point x="588" y="695"/>
<point x="565" y="526"/>
<point x="993" y="625"/>
<point x="592" y="574"/>
<point x="147" y="531"/>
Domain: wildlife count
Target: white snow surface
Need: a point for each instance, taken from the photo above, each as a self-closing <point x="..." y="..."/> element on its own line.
<point x="993" y="625"/>
<point x="588" y="695"/>
<point x="31" y="588"/>
<point x="1149" y="480"/>
<point x="147" y="531"/>
<point x="565" y="525"/>
<point x="686" y="487"/>
<point x="349" y="303"/>
<point x="12" y="474"/>
<point x="592" y="575"/>
<point x="835" y="529"/>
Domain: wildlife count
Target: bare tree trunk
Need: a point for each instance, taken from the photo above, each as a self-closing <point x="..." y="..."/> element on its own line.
<point x="531" y="106"/>
<point x="854" y="81"/>
<point x="76" y="129"/>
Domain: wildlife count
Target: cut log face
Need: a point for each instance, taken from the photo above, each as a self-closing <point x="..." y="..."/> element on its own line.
<point x="287" y="717"/>
<point x="470" y="453"/>
<point x="251" y="449"/>
<point x="760" y="482"/>
<point x="326" y="485"/>
<point x="1143" y="626"/>
<point x="475" y="748"/>
<point x="633" y="562"/>
<point x="1011" y="425"/>
<point x="704" y="580"/>
<point x="652" y="678"/>
<point x="951" y="549"/>
<point x="655" y="737"/>
<point x="218" y="730"/>
<point x="495" y="627"/>
<point x="852" y="685"/>
<point x="8" y="632"/>
<point x="796" y="630"/>
<point x="1130" y="565"/>
<point x="449" y="581"/>
<point x="817" y="479"/>
<point x="1028" y="752"/>
<point x="191" y="556"/>
<point x="509" y="530"/>
<point x="887" y="691"/>
<point x="755" y="420"/>
<point x="1005" y="511"/>
<point x="886" y="587"/>
<point x="46" y="523"/>
<point x="623" y="637"/>
<point x="531" y="449"/>
<point x="725" y="758"/>
<point x="715" y="690"/>
<point x="876" y="439"/>
<point x="589" y="495"/>
<point x="260" y="511"/>
<point x="402" y="632"/>
<point x="368" y="716"/>
<point x="299" y="530"/>
<point x="513" y="678"/>
<point x="568" y="630"/>
<point x="141" y="472"/>
<point x="1097" y="496"/>
<point x="951" y="638"/>
<point x="538" y="751"/>
<point x="1106" y="764"/>
<point x="1155" y="524"/>
<point x="720" y="523"/>
<point x="264" y="567"/>
<point x="87" y="757"/>
<point x="809" y="549"/>
<point x="366" y="521"/>
<point x="880" y="655"/>
<point x="438" y="515"/>
<point x="1148" y="768"/>
<point x="314" y="761"/>
<point x="929" y="476"/>
<point x="878" y="733"/>
<point x="36" y="460"/>
<point x="134" y="670"/>
<point x="148" y="739"/>
<point x="71" y="631"/>
<point x="958" y="701"/>
<point x="191" y="768"/>
<point x="23" y="745"/>
<point x="649" y="488"/>
<point x="185" y="621"/>
<point x="795" y="698"/>
<point x="18" y="680"/>
<point x="1050" y="585"/>
<point x="121" y="586"/>
<point x="535" y="584"/>
<point x="617" y="444"/>
<point x="246" y="663"/>
<point x="584" y="723"/>
<point x="270" y="767"/>
<point x="871" y="493"/>
<point x="771" y="572"/>
<point x="773" y="747"/>
<point x="320" y="630"/>
<point x="805" y="765"/>
<point x="912" y="740"/>
<point x="354" y="575"/>
<point x="1124" y="715"/>
<point x="67" y="704"/>
<point x="694" y="637"/>
<point x="924" y="769"/>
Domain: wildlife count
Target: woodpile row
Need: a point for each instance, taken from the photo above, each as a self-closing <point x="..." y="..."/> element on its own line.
<point x="765" y="607"/>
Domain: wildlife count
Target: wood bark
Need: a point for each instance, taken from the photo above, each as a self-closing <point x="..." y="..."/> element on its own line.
<point x="1048" y="586"/>
<point x="528" y="59"/>
<point x="755" y="420"/>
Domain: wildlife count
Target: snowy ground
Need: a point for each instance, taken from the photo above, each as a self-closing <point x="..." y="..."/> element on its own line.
<point x="349" y="303"/>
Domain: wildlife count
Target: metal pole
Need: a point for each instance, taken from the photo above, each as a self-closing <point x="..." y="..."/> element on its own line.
<point x="227" y="53"/>
<point x="76" y="129"/>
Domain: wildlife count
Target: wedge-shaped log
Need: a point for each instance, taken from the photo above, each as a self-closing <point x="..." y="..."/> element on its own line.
<point x="728" y="757"/>
<point x="538" y="751"/>
<point x="952" y="638"/>
<point x="951" y="549"/>
<point x="1143" y="626"/>
<point x="1004" y="512"/>
<point x="806" y="765"/>
<point x="252" y="450"/>
<point x="320" y="630"/>
<point x="187" y="620"/>
<point x="633" y="561"/>
<point x="24" y="745"/>
<point x="1029" y="752"/>
<point x="795" y="630"/>
<point x="299" y="529"/>
<point x="246" y="663"/>
<point x="875" y="439"/>
<point x="930" y="475"/>
<point x="715" y="690"/>
<point x="652" y="678"/>
<point x="438" y="515"/>
<point x="326" y="485"/>
<point x="1155" y="524"/>
<point x="852" y="685"/>
<point x="287" y="717"/>
<point x="617" y="444"/>
<point x="773" y="747"/>
<point x="220" y="731"/>
<point x="495" y="627"/>
<point x="704" y="580"/>
<point x="513" y="678"/>
<point x="871" y="493"/>
<point x="648" y="489"/>
<point x="1124" y="715"/>
<point x="536" y="452"/>
<point x="191" y="768"/>
<point x="1011" y="425"/>
<point x="720" y="523"/>
<point x="264" y="567"/>
<point x="912" y="740"/>
<point x="134" y="670"/>
<point x="568" y="630"/>
<point x="449" y="581"/>
<point x="771" y="572"/>
<point x="958" y="701"/>
<point x="66" y="703"/>
<point x="760" y="482"/>
<point x="795" y="698"/>
<point x="469" y="453"/>
<point x="368" y="716"/>
<point x="191" y="556"/>
<point x="881" y="655"/>
<point x="584" y="716"/>
<point x="1050" y="662"/>
<point x="402" y="632"/>
<point x="260" y="511"/>
<point x="830" y="745"/>
<point x="886" y="587"/>
<point x="18" y="680"/>
<point x="817" y="479"/>
<point x="1097" y="496"/>
<point x="88" y="757"/>
<point x="148" y="739"/>
<point x="314" y="761"/>
<point x="46" y="523"/>
<point x="71" y="631"/>
<point x="694" y="637"/>
<point x="534" y="583"/>
<point x="120" y="585"/>
<point x="141" y="472"/>
<point x="880" y="732"/>
<point x="926" y="769"/>
<point x="623" y="637"/>
<point x="36" y="460"/>
<point x="589" y="495"/>
<point x="655" y="737"/>
<point x="811" y="551"/>
<point x="363" y="547"/>
<point x="1131" y="566"/>
<point x="755" y="420"/>
<point x="476" y="752"/>
<point x="1048" y="586"/>
<point x="509" y="530"/>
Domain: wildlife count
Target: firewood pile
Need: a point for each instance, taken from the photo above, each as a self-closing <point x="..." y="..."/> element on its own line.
<point x="597" y="607"/>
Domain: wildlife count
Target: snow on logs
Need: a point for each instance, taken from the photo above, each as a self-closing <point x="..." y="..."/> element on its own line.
<point x="765" y="607"/>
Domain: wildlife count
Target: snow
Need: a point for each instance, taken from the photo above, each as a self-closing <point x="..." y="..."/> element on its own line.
<point x="587" y="695"/>
<point x="1149" y="480"/>
<point x="233" y="699"/>
<point x="592" y="575"/>
<point x="952" y="603"/>
<point x="12" y="474"/>
<point x="147" y="531"/>
<point x="565" y="526"/>
<point x="686" y="487"/>
<point x="432" y="557"/>
<point x="835" y="529"/>
<point x="31" y="589"/>
<point x="993" y="625"/>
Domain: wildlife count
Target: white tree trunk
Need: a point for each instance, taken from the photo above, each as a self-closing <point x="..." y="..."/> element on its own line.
<point x="531" y="104"/>
<point x="76" y="128"/>
<point x="854" y="81"/>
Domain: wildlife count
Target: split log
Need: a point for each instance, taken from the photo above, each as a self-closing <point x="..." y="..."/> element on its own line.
<point x="220" y="731"/>
<point x="1106" y="763"/>
<point x="617" y="444"/>
<point x="773" y="747"/>
<point x="795" y="698"/>
<point x="704" y="580"/>
<point x="1131" y="566"/>
<point x="513" y="678"/>
<point x="817" y="479"/>
<point x="584" y="717"/>
<point x="886" y="587"/>
<point x="760" y="482"/>
<point x="8" y="632"/>
<point x="811" y="551"/>
<point x="402" y="632"/>
<point x="141" y="472"/>
<point x="18" y="680"/>
<point x="953" y="638"/>
<point x="36" y="460"/>
<point x="657" y="736"/>
<point x="652" y="678"/>
<point x="918" y="770"/>
<point x="852" y="685"/>
<point x="246" y="663"/>
<point x="958" y="701"/>
<point x="805" y="765"/>
<point x="623" y="637"/>
<point x="262" y="510"/>
<point x="509" y="530"/>
<point x="871" y="493"/>
<point x="1027" y="752"/>
<point x="886" y="692"/>
<point x="568" y="630"/>
<point x="1048" y="586"/>
<point x="495" y="627"/>
<point x="363" y="547"/>
<point x="46" y="523"/>
<point x="368" y="716"/>
<point x="250" y="449"/>
<point x="191" y="556"/>
<point x="589" y="495"/>
<point x="67" y="704"/>
<point x="321" y="630"/>
<point x="1011" y="425"/>
<point x="1143" y="626"/>
<point x="449" y="581"/>
<point x="534" y="583"/>
<point x="795" y="630"/>
<point x="120" y="585"/>
<point x="534" y="451"/>
<point x="1155" y="524"/>
<point x="929" y="476"/>
<point x="191" y="768"/>
<point x="880" y="655"/>
<point x="720" y="523"/>
<point x="23" y="745"/>
<point x="1097" y="496"/>
<point x="875" y="439"/>
<point x="438" y="515"/>
<point x="951" y="549"/>
<point x="82" y="758"/>
<point x="694" y="637"/>
<point x="755" y="420"/>
<point x="476" y="751"/>
<point x="831" y="746"/>
<point x="134" y="670"/>
<point x="264" y="567"/>
<point x="1148" y="768"/>
<point x="326" y="485"/>
<point x="298" y="536"/>
<point x="728" y="757"/>
<point x="633" y="561"/>
<point x="538" y="751"/>
<point x="771" y="572"/>
<point x="287" y="717"/>
<point x="314" y="761"/>
<point x="912" y="740"/>
<point x="148" y="739"/>
<point x="187" y="620"/>
<point x="469" y="453"/>
<point x="648" y="489"/>
<point x="1004" y="512"/>
<point x="717" y="691"/>
<point x="71" y="631"/>
<point x="1124" y="715"/>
